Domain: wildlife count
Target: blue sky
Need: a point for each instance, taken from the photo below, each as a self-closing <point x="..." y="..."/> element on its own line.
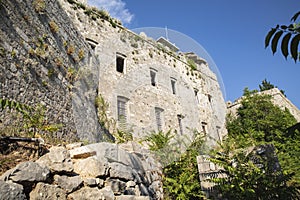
<point x="231" y="31"/>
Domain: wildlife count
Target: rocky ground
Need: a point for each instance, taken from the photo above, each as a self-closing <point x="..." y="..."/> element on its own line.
<point x="95" y="171"/>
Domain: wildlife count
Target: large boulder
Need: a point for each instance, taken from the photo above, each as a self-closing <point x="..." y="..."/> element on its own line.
<point x="69" y="184"/>
<point x="90" y="167"/>
<point x="87" y="193"/>
<point x="58" y="160"/>
<point x="11" y="191"/>
<point x="44" y="191"/>
<point x="27" y="172"/>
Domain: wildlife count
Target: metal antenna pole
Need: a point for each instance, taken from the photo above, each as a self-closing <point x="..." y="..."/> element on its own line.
<point x="167" y="37"/>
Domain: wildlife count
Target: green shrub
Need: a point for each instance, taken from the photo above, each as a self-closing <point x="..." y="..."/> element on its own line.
<point x="192" y="64"/>
<point x="53" y="27"/>
<point x="39" y="5"/>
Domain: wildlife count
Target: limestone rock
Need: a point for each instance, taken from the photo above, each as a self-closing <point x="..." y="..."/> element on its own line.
<point x="58" y="160"/>
<point x="68" y="183"/>
<point x="27" y="172"/>
<point x="44" y="191"/>
<point x="118" y="170"/>
<point x="11" y="191"/>
<point x="74" y="145"/>
<point x="131" y="197"/>
<point x="87" y="193"/>
<point x="90" y="167"/>
<point x="117" y="186"/>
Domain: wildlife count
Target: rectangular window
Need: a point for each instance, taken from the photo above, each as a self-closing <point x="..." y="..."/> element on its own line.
<point x="120" y="62"/>
<point x="196" y="95"/>
<point x="122" y="112"/>
<point x="204" y="127"/>
<point x="158" y="116"/>
<point x="153" y="76"/>
<point x="180" y="117"/>
<point x="209" y="98"/>
<point x="173" y="85"/>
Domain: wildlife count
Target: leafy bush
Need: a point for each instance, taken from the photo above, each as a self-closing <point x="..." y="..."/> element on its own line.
<point x="53" y="26"/>
<point x="251" y="173"/>
<point x="192" y="64"/>
<point x="39" y="5"/>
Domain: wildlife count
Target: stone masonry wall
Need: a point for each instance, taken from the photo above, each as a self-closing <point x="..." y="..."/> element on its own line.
<point x="45" y="61"/>
<point x="277" y="98"/>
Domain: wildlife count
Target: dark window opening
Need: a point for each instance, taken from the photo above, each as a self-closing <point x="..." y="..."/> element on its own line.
<point x="209" y="98"/>
<point x="196" y="95"/>
<point x="173" y="85"/>
<point x="204" y="125"/>
<point x="92" y="43"/>
<point x="180" y="117"/>
<point x="120" y="62"/>
<point x="153" y="77"/>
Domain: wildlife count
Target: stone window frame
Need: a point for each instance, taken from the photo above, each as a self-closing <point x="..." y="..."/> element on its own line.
<point x="92" y="43"/>
<point x="159" y="118"/>
<point x="121" y="62"/>
<point x="153" y="77"/>
<point x="180" y="118"/>
<point x="173" y="85"/>
<point x="196" y="91"/>
<point x="122" y="112"/>
<point x="204" y="128"/>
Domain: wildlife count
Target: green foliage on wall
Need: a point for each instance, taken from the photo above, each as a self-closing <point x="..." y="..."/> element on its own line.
<point x="33" y="121"/>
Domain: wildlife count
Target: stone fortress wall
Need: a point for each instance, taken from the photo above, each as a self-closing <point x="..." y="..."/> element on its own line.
<point x="181" y="99"/>
<point x="44" y="60"/>
<point x="277" y="98"/>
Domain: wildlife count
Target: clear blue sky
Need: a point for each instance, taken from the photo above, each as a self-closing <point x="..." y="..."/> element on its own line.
<point x="231" y="31"/>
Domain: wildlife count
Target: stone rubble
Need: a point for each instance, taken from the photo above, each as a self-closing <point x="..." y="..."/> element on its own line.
<point x="111" y="172"/>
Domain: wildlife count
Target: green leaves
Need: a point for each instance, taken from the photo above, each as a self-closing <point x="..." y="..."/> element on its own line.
<point x="22" y="108"/>
<point x="284" y="45"/>
<point x="294" y="47"/>
<point x="290" y="37"/>
<point x="275" y="40"/>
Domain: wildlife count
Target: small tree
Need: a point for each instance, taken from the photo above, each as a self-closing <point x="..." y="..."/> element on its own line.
<point x="259" y="121"/>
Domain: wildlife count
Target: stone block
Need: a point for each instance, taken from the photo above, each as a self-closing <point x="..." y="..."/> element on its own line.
<point x="45" y="191"/>
<point x="11" y="191"/>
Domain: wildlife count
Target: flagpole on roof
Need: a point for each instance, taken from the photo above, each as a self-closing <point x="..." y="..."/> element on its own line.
<point x="167" y="37"/>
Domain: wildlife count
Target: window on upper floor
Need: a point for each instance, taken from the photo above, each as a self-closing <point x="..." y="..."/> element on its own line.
<point x="209" y="98"/>
<point x="120" y="62"/>
<point x="153" y="73"/>
<point x="173" y="85"/>
<point x="204" y="128"/>
<point x="122" y="112"/>
<point x="158" y="117"/>
<point x="196" y="95"/>
<point x="180" y="117"/>
<point x="92" y="43"/>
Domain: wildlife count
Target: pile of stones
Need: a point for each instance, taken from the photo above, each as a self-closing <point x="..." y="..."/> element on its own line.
<point x="95" y="171"/>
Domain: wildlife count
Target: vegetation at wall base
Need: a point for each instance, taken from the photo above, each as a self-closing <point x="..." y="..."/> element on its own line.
<point x="259" y="122"/>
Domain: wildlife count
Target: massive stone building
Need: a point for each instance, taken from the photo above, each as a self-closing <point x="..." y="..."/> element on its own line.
<point x="149" y="85"/>
<point x="62" y="54"/>
<point x="277" y="98"/>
